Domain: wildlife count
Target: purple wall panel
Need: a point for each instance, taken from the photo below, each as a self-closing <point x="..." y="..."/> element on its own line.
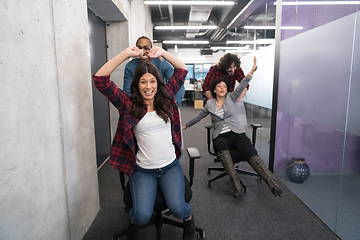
<point x="321" y="146"/>
<point x="310" y="17"/>
<point x="319" y="92"/>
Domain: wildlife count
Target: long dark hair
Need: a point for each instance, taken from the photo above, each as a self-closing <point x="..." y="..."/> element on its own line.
<point x="226" y="61"/>
<point x="216" y="82"/>
<point x="163" y="102"/>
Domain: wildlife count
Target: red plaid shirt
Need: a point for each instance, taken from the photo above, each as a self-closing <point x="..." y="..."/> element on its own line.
<point x="123" y="149"/>
<point x="214" y="73"/>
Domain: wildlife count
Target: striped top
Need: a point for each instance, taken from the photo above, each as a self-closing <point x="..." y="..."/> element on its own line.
<point x="220" y="112"/>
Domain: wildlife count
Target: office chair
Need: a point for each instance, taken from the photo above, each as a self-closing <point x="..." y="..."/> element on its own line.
<point x="235" y="155"/>
<point x="158" y="218"/>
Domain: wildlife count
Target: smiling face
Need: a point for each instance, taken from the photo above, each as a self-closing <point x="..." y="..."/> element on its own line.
<point x="144" y="45"/>
<point x="220" y="89"/>
<point x="148" y="87"/>
<point x="231" y="69"/>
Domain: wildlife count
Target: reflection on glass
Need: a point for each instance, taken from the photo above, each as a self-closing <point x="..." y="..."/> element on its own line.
<point x="198" y="68"/>
<point x="190" y="73"/>
<point x="199" y="76"/>
<point x="207" y="67"/>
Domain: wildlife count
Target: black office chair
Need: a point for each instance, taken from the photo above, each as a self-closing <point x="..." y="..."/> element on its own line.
<point x="235" y="155"/>
<point x="158" y="218"/>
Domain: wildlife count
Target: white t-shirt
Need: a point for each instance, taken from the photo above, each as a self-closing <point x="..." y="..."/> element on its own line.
<point x="154" y="140"/>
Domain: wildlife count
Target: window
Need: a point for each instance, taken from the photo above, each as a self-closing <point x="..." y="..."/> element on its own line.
<point x="198" y="71"/>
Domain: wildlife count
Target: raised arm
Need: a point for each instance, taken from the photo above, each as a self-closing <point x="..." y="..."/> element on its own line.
<point x="174" y="61"/>
<point x="112" y="64"/>
<point x="254" y="68"/>
<point x="240" y="90"/>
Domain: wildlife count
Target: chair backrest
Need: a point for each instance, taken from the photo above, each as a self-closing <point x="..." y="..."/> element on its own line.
<point x="182" y="158"/>
<point x="235" y="155"/>
<point x="241" y="114"/>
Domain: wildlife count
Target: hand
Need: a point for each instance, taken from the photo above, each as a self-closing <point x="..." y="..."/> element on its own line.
<point x="254" y="68"/>
<point x="155" y="52"/>
<point x="133" y="52"/>
<point x="184" y="127"/>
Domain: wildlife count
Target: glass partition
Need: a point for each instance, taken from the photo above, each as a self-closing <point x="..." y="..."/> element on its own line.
<point x="318" y="109"/>
<point x="190" y="73"/>
<point x="254" y="38"/>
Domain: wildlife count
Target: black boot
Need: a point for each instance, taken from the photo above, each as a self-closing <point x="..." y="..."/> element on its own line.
<point x="228" y="164"/>
<point x="258" y="165"/>
<point x="189" y="229"/>
<point x="133" y="232"/>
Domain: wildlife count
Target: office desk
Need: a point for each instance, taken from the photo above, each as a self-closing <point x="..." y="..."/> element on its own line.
<point x="195" y="98"/>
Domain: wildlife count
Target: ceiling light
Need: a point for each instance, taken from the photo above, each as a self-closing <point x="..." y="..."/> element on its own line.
<point x="320" y="3"/>
<point x="259" y="27"/>
<point x="230" y="48"/>
<point x="207" y="3"/>
<point x="184" y="27"/>
<point x="265" y="41"/>
<point x="259" y="41"/>
<point x="240" y="13"/>
<point x="193" y="59"/>
<point x="240" y="42"/>
<point x="273" y="27"/>
<point x="240" y="50"/>
<point x="185" y="42"/>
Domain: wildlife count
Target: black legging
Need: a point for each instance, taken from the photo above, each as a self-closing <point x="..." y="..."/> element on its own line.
<point x="229" y="140"/>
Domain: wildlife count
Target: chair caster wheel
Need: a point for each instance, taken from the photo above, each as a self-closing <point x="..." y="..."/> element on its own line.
<point x="208" y="172"/>
<point x="200" y="235"/>
<point x="209" y="184"/>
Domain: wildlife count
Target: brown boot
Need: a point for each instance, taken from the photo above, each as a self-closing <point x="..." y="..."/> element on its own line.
<point x="258" y="165"/>
<point x="226" y="160"/>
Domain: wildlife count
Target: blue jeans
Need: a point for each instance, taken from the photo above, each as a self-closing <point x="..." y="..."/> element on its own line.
<point x="144" y="185"/>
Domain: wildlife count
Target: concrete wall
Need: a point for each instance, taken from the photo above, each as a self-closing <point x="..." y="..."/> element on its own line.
<point x="48" y="172"/>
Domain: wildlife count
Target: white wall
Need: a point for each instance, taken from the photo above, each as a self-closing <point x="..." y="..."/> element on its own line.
<point x="261" y="86"/>
<point x="48" y="171"/>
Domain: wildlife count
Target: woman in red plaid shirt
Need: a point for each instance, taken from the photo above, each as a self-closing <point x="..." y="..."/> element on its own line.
<point x="147" y="142"/>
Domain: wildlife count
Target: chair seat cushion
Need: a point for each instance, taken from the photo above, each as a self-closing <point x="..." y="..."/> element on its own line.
<point x="160" y="204"/>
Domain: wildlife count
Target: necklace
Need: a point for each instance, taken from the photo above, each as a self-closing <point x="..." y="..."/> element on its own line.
<point x="219" y="104"/>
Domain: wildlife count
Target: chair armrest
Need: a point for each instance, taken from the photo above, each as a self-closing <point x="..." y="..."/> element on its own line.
<point x="254" y="126"/>
<point x="193" y="154"/>
<point x="208" y="139"/>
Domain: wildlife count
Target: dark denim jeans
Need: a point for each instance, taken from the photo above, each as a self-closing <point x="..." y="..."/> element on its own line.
<point x="144" y="184"/>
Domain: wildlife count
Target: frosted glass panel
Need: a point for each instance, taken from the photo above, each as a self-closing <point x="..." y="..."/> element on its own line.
<point x="318" y="111"/>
